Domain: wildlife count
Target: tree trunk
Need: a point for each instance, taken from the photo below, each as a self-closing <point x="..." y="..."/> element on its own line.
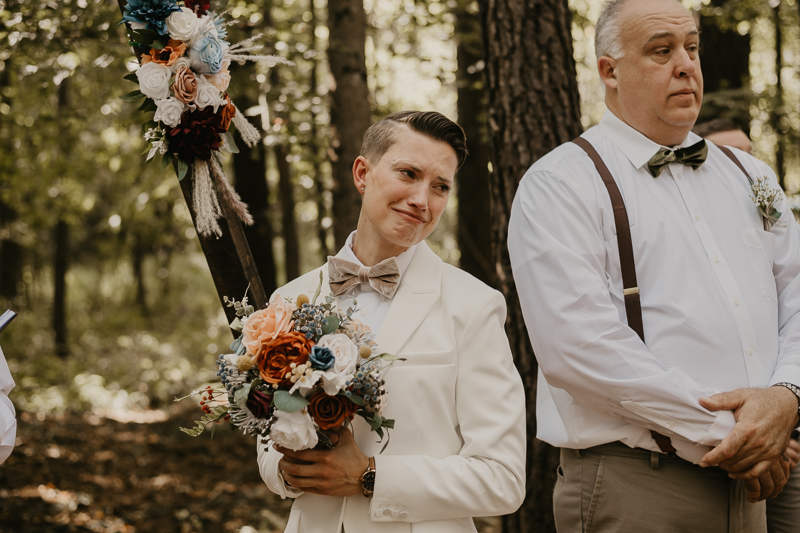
<point x="10" y="250"/>
<point x="11" y="253"/>
<point x="533" y="106"/>
<point x="724" y="54"/>
<point x="60" y="266"/>
<point x="286" y="192"/>
<point x="350" y="110"/>
<point x="778" y="110"/>
<point x="472" y="185"/>
<point x="314" y="145"/>
<point x="250" y="172"/>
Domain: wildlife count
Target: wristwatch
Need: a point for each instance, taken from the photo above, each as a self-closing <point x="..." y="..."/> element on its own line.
<point x="795" y="389"/>
<point x="368" y="479"/>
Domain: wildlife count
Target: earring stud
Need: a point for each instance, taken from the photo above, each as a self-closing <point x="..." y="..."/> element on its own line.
<point x="362" y="189"/>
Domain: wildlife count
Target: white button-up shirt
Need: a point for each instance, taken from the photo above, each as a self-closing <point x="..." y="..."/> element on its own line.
<point x="720" y="296"/>
<point x="372" y="306"/>
<point x="8" y="419"/>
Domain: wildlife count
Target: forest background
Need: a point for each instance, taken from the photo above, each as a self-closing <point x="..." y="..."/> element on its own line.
<point x="98" y="254"/>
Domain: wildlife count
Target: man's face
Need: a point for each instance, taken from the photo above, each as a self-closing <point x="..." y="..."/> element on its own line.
<point x="406" y="191"/>
<point x="658" y="80"/>
<point x="736" y="138"/>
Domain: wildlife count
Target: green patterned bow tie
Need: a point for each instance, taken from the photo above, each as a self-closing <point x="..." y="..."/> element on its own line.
<point x="694" y="156"/>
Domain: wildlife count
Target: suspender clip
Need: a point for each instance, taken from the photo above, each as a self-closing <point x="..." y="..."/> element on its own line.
<point x="632" y="290"/>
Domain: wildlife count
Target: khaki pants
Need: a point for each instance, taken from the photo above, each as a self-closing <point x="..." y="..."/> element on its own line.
<point x="783" y="512"/>
<point x="616" y="489"/>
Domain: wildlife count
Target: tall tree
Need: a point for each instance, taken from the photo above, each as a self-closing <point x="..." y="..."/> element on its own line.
<point x="474" y="204"/>
<point x="778" y="111"/>
<point x="533" y="106"/>
<point x="288" y="221"/>
<point x="350" y="109"/>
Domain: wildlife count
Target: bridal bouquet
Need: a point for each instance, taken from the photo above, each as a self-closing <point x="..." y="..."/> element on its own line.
<point x="183" y="78"/>
<point x="297" y="370"/>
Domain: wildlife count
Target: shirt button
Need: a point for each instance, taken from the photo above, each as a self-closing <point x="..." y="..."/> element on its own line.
<point x="379" y="512"/>
<point x="750" y="351"/>
<point x="736" y="301"/>
<point x="697" y="217"/>
<point x="395" y="513"/>
<point x="403" y="514"/>
<point x="716" y="258"/>
<point x="387" y="512"/>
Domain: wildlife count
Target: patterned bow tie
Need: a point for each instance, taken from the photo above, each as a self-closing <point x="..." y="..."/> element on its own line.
<point x="694" y="156"/>
<point x="344" y="275"/>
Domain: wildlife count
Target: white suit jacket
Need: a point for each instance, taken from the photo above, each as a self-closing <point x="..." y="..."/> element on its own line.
<point x="458" y="446"/>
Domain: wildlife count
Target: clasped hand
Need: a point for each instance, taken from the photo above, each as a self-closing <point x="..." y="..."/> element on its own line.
<point x="754" y="451"/>
<point x="334" y="472"/>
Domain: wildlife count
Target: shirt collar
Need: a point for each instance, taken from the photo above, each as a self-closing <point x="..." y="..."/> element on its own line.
<point x="403" y="259"/>
<point x="635" y="145"/>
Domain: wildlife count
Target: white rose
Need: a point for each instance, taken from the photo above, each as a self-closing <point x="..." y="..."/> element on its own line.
<point x="180" y="63"/>
<point x="154" y="80"/>
<point x="344" y="350"/>
<point x="169" y="111"/>
<point x="183" y="25"/>
<point x="208" y="95"/>
<point x="294" y="431"/>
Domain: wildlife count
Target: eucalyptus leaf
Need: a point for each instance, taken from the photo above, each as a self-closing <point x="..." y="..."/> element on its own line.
<point x="237" y="325"/>
<point x="157" y="45"/>
<point x="376" y="422"/>
<point x="183" y="168"/>
<point x="288" y="403"/>
<point x="391" y="357"/>
<point x="358" y="400"/>
<point x="331" y="324"/>
<point x="236" y="344"/>
<point x="132" y="96"/>
<point x="166" y="159"/>
<point x="241" y="395"/>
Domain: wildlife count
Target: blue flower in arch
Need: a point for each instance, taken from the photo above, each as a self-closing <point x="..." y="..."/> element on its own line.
<point x="152" y="13"/>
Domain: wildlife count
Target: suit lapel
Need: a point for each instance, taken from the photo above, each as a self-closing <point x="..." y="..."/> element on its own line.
<point x="419" y="290"/>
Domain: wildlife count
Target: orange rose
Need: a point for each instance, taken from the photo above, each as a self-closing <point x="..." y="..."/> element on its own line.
<point x="227" y="112"/>
<point x="169" y="54"/>
<point x="275" y="357"/>
<point x="266" y="324"/>
<point x="329" y="412"/>
<point x="185" y="86"/>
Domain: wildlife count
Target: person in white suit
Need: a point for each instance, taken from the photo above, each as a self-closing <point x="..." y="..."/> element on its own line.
<point x="8" y="417"/>
<point x="458" y="447"/>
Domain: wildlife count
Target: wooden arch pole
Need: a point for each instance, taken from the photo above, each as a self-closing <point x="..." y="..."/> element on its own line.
<point x="229" y="257"/>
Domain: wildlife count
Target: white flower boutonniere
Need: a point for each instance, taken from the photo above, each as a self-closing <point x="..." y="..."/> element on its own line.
<point x="765" y="197"/>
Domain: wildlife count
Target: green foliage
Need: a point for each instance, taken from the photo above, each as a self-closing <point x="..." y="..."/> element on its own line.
<point x="217" y="413"/>
<point x="288" y="403"/>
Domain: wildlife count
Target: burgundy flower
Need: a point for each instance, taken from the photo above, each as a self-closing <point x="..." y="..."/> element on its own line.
<point x="260" y="404"/>
<point x="197" y="135"/>
<point x="198" y="6"/>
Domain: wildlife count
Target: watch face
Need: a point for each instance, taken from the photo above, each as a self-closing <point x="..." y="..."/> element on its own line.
<point x="368" y="481"/>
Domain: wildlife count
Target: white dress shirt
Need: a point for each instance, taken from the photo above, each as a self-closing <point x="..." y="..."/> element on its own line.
<point x="372" y="306"/>
<point x="720" y="296"/>
<point x="8" y="420"/>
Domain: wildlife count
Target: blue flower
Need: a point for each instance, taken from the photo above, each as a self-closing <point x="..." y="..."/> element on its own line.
<point x="152" y="13"/>
<point x="219" y="24"/>
<point x="207" y="55"/>
<point x="321" y="358"/>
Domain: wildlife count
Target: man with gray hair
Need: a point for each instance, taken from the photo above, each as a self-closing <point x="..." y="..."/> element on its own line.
<point x="662" y="301"/>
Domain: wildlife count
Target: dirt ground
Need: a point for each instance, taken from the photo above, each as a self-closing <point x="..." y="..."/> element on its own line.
<point x="84" y="473"/>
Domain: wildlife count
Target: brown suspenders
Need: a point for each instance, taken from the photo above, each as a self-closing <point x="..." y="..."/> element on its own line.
<point x="630" y="288"/>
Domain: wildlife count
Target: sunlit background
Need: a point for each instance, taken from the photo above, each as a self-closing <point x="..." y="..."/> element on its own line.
<point x="144" y="322"/>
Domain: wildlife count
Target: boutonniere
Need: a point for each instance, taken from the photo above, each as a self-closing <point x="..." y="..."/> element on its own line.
<point x="765" y="197"/>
